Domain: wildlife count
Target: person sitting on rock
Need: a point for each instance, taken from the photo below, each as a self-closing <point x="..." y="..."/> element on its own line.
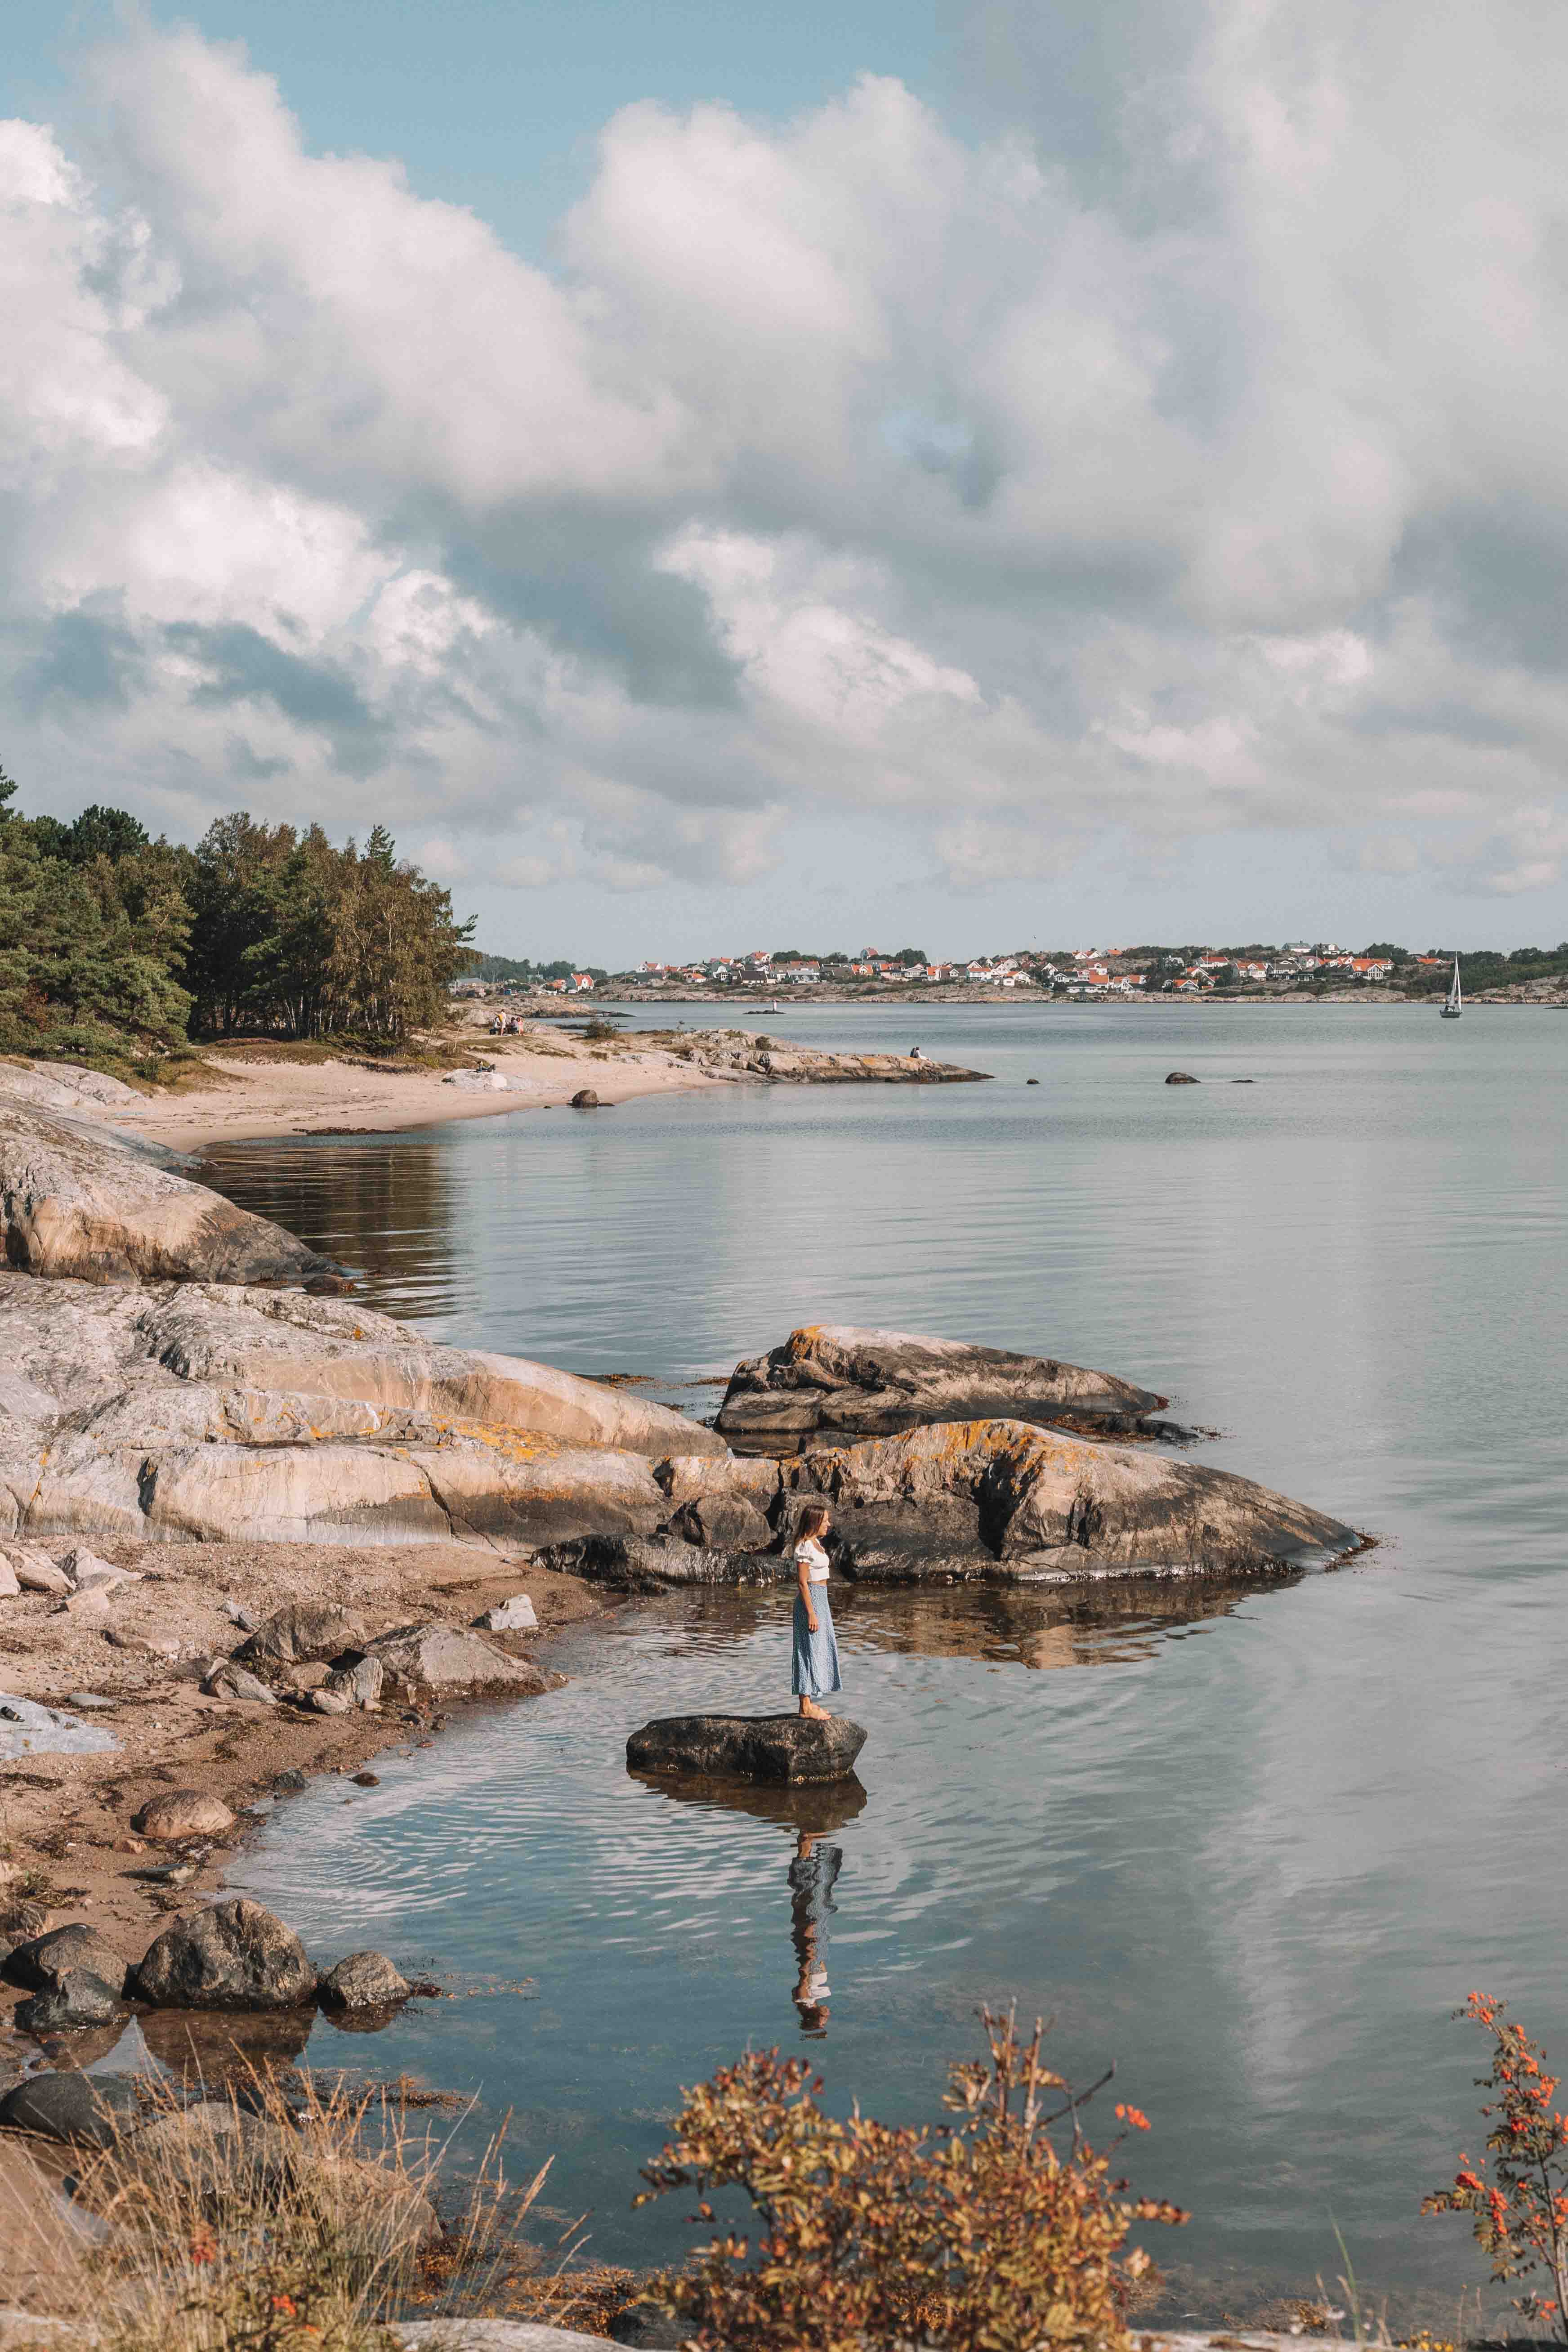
<point x="815" y="1643"/>
<point x="915" y="1053"/>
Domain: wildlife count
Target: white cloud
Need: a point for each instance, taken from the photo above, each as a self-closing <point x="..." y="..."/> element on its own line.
<point x="847" y="473"/>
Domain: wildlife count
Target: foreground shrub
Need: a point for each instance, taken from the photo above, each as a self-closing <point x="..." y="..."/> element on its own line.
<point x="978" y="2234"/>
<point x="1520" y="2215"/>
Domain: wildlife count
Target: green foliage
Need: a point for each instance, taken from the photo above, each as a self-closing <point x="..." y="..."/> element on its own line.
<point x="977" y="2236"/>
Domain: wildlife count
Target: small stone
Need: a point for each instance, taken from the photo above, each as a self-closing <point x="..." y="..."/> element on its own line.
<point x="585" y="1099"/>
<point x="366" y="1780"/>
<point x="229" y="1681"/>
<point x="363" y="1980"/>
<point x="78" y="1998"/>
<point x="85" y="1701"/>
<point x="1031" y="1082"/>
<point x="513" y="1616"/>
<point x="330" y="1702"/>
<point x="182" y="1813"/>
<point x="239" y="1616"/>
<point x="130" y="1845"/>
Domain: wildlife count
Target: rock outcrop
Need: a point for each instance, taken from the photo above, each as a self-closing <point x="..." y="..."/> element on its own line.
<point x="77" y="1198"/>
<point x="832" y="1382"/>
<point x="237" y="1955"/>
<point x="200" y="1412"/>
<point x="999" y="1501"/>
<point x="738" y="1054"/>
<point x="788" y="1748"/>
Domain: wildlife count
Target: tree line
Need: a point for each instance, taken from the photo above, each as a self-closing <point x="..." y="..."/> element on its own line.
<point x="111" y="942"/>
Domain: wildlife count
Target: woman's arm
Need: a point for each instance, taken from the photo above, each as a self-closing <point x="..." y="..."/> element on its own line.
<point x="803" y="1579"/>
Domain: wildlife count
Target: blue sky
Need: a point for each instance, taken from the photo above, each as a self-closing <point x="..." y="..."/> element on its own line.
<point x="979" y="472"/>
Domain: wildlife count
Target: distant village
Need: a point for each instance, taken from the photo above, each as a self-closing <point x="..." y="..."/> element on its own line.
<point x="1077" y="973"/>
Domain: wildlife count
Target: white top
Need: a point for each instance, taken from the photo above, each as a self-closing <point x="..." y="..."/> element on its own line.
<point x="809" y="1553"/>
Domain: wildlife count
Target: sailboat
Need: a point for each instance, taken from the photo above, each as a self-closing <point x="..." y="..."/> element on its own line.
<point x="1453" y="1004"/>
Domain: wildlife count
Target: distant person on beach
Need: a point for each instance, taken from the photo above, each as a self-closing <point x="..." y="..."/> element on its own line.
<point x="816" y="1643"/>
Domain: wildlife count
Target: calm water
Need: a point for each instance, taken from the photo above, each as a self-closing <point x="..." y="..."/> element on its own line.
<point x="1253" y="1856"/>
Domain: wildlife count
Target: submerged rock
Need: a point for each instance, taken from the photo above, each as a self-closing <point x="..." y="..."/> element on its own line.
<point x="237" y="1955"/>
<point x="829" y="1380"/>
<point x="790" y="1748"/>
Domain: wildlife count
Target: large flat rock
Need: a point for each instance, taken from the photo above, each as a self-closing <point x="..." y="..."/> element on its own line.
<point x="829" y="1382"/>
<point x="197" y="1411"/>
<point x="79" y="1200"/>
<point x="780" y="1747"/>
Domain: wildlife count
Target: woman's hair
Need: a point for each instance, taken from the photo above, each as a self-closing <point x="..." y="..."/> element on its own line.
<point x="815" y="1519"/>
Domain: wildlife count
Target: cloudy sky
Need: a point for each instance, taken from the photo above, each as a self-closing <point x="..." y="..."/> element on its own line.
<point x="722" y="475"/>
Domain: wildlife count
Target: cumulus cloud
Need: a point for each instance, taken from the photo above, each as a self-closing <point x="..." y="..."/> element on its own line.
<point x="1185" y="465"/>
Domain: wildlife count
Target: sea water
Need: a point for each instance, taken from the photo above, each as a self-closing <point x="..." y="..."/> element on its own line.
<point x="1253" y="1850"/>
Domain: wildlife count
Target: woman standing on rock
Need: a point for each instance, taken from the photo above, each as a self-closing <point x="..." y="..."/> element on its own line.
<point x="815" y="1643"/>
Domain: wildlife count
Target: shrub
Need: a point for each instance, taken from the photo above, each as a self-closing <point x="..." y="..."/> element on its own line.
<point x="1520" y="2217"/>
<point x="978" y="2234"/>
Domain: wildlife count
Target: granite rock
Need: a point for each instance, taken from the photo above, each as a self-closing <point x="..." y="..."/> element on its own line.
<point x="363" y="1980"/>
<point x="789" y="1748"/>
<point x="235" y="1955"/>
<point x="179" y="1814"/>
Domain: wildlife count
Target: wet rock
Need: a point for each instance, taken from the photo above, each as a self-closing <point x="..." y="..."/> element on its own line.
<point x="183" y="1813"/>
<point x="43" y="1959"/>
<point x="790" y="1748"/>
<point x="417" y="1658"/>
<point x="237" y="1955"/>
<point x="514" y="1616"/>
<point x="832" y="1380"/>
<point x="290" y="1783"/>
<point x="363" y="1980"/>
<point x="89" y="2109"/>
<point x="78" y="1997"/>
<point x="301" y="1632"/>
<point x="585" y="1099"/>
<point x="661" y="1563"/>
<point x="1182" y="1078"/>
<point x="231" y="1681"/>
<point x="360" y="1682"/>
<point x="365" y="1780"/>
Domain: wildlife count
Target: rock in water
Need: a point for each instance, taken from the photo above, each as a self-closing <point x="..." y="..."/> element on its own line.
<point x="76" y="1198"/>
<point x="793" y="1748"/>
<point x="833" y="1379"/>
<point x="1182" y="1078"/>
<point x="183" y="1813"/>
<point x="92" y="2109"/>
<point x="363" y="1980"/>
<point x="79" y="1997"/>
<point x="584" y="1099"/>
<point x="236" y="1955"/>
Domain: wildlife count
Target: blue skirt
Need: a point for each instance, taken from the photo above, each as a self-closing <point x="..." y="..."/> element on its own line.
<point x="816" y="1654"/>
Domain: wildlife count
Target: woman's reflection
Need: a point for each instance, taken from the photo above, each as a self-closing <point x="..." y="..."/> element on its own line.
<point x="812" y="1877"/>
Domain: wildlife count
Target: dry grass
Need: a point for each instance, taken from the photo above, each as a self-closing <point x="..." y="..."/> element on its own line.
<point x="264" y="2219"/>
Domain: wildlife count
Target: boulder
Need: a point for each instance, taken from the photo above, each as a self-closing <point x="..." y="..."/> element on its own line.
<point x="300" y="1633"/>
<point x="515" y="1615"/>
<point x="721" y="1523"/>
<point x="790" y="1748"/>
<point x="363" y="1980"/>
<point x="585" y="1099"/>
<point x="415" y="1658"/>
<point x="78" y="1997"/>
<point x="34" y="1572"/>
<point x="834" y="1380"/>
<point x="43" y="1960"/>
<point x="89" y="2109"/>
<point x="330" y="1702"/>
<point x="232" y="1681"/>
<point x="9" y="1585"/>
<point x="86" y="1571"/>
<point x="236" y="1955"/>
<point x="183" y="1813"/>
<point x="358" y="1685"/>
<point x="79" y="1200"/>
<point x="1182" y="1078"/>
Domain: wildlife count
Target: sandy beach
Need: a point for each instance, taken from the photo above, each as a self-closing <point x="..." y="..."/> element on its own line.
<point x="258" y="1092"/>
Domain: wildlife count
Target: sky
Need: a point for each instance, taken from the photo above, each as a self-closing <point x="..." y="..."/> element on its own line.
<point x="951" y="473"/>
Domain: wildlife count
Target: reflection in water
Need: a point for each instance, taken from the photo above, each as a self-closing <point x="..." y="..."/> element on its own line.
<point x="389" y="1206"/>
<point x="812" y="1876"/>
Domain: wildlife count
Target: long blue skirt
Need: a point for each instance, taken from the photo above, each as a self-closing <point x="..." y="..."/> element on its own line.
<point x="816" y="1654"/>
